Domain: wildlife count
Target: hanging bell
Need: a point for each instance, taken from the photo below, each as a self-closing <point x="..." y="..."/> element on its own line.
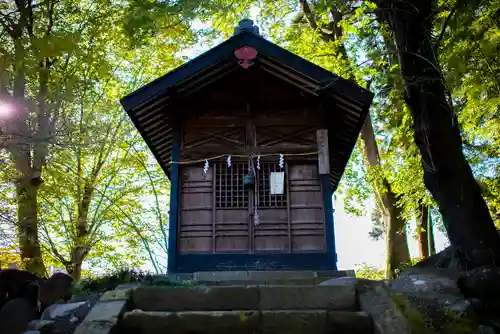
<point x="249" y="180"/>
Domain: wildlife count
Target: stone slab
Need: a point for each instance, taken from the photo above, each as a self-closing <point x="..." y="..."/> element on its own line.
<point x="294" y="322"/>
<point x="102" y="318"/>
<point x="266" y="276"/>
<point x="210" y="322"/>
<point x="375" y="299"/>
<point x="196" y="298"/>
<point x="336" y="297"/>
<point x="294" y="281"/>
<point x="336" y="273"/>
<point x="230" y="322"/>
<point x="342" y="281"/>
<point x="226" y="298"/>
<point x="350" y="322"/>
<point x="290" y="281"/>
<point x="117" y="294"/>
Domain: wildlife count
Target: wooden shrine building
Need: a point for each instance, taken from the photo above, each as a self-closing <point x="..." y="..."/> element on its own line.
<point x="254" y="140"/>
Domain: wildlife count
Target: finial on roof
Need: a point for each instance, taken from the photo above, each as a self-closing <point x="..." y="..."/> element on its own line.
<point x="246" y="25"/>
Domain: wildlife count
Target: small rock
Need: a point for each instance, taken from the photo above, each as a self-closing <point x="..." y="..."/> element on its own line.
<point x="40" y="324"/>
<point x="427" y="281"/>
<point x="482" y="329"/>
<point x="464" y="306"/>
<point x="60" y="310"/>
<point x="482" y="283"/>
<point x="16" y="314"/>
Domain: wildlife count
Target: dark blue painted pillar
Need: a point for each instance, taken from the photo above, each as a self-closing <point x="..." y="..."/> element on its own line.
<point x="326" y="188"/>
<point x="174" y="200"/>
<point x="330" y="231"/>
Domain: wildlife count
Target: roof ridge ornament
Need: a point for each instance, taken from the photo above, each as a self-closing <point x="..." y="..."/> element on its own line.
<point x="246" y="25"/>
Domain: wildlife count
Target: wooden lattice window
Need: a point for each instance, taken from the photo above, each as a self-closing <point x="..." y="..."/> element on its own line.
<point x="229" y="189"/>
<point x="266" y="198"/>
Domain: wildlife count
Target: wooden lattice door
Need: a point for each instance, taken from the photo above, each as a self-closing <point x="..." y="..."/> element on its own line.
<point x="217" y="211"/>
<point x="272" y="232"/>
<point x="231" y="209"/>
<point x="236" y="227"/>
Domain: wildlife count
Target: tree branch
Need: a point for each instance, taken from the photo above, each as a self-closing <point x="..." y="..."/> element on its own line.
<point x="155" y="193"/>
<point x="327" y="37"/>
<point x="53" y="248"/>
<point x="445" y="25"/>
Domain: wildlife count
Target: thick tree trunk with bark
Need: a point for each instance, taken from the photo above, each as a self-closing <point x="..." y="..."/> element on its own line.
<point x="396" y="240"/>
<point x="29" y="245"/>
<point x="397" y="245"/>
<point x="447" y="173"/>
<point x="32" y="124"/>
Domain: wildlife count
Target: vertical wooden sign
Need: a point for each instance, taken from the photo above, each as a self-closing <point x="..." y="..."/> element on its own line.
<point x="323" y="154"/>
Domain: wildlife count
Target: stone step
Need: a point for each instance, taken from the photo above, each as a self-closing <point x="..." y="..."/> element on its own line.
<point x="289" y="281"/>
<point x="227" y="298"/>
<point x="260" y="276"/>
<point x="246" y="322"/>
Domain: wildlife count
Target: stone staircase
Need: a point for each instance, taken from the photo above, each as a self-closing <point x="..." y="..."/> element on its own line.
<point x="263" y="307"/>
<point x="418" y="302"/>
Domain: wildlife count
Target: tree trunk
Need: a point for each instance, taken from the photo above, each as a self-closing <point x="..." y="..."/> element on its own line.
<point x="74" y="268"/>
<point x="81" y="246"/>
<point x="447" y="173"/>
<point x="29" y="244"/>
<point x="422" y="231"/>
<point x="398" y="254"/>
<point x="397" y="244"/>
<point x="21" y="151"/>
<point x="430" y="235"/>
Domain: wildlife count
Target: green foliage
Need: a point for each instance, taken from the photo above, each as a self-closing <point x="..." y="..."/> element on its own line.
<point x="378" y="230"/>
<point x="469" y="54"/>
<point x="95" y="52"/>
<point x="369" y="272"/>
<point x="95" y="204"/>
<point x="8" y="255"/>
<point x="110" y="281"/>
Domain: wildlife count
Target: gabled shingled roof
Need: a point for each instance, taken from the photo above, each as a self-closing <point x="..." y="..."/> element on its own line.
<point x="149" y="102"/>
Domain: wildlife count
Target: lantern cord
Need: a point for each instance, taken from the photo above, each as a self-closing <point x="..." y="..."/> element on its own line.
<point x="187" y="162"/>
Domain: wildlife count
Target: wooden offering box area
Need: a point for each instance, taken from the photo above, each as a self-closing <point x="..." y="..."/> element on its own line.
<point x="254" y="140"/>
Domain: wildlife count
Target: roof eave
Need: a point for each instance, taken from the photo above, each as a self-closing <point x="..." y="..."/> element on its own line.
<point x="224" y="52"/>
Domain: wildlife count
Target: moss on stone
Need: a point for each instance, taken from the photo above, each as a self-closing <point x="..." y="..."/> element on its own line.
<point x="122" y="294"/>
<point x="456" y="324"/>
<point x="413" y="316"/>
<point x="420" y="322"/>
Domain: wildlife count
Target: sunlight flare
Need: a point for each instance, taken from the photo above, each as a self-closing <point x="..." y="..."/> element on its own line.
<point x="5" y="109"/>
